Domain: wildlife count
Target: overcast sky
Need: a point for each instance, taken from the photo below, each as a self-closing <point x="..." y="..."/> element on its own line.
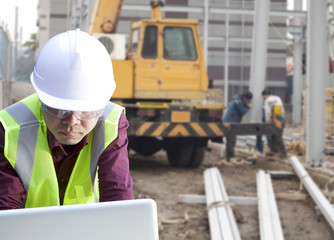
<point x="27" y="17"/>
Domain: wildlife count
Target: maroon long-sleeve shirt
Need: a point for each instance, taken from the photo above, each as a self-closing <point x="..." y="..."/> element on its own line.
<point x="114" y="177"/>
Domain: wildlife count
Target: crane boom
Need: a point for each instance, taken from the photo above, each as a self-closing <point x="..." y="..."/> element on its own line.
<point x="106" y="16"/>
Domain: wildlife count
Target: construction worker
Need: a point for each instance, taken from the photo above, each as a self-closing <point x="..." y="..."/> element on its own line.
<point x="66" y="144"/>
<point x="270" y="101"/>
<point x="237" y="108"/>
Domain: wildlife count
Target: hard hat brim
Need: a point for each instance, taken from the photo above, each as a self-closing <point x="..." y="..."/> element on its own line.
<point x="66" y="104"/>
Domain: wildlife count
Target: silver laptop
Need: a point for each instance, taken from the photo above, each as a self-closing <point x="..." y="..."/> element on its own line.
<point x="119" y="220"/>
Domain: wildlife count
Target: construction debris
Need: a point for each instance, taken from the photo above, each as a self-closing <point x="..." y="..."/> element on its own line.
<point x="296" y="147"/>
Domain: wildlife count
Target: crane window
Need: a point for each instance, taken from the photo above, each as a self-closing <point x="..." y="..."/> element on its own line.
<point x="134" y="40"/>
<point x="179" y="44"/>
<point x="150" y="42"/>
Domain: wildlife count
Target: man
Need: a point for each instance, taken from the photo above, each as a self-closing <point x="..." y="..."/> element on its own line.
<point x="67" y="144"/>
<point x="236" y="109"/>
<point x="270" y="101"/>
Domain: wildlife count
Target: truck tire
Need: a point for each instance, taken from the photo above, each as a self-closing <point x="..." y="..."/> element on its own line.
<point x="145" y="146"/>
<point x="199" y="149"/>
<point x="185" y="152"/>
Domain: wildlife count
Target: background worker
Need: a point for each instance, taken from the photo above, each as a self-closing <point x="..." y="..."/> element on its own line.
<point x="67" y="144"/>
<point x="270" y="101"/>
<point x="237" y="108"/>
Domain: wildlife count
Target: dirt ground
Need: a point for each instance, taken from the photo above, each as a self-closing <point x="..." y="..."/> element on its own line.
<point x="153" y="178"/>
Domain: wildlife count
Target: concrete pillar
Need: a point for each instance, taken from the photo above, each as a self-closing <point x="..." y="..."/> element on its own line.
<point x="316" y="78"/>
<point x="259" y="58"/>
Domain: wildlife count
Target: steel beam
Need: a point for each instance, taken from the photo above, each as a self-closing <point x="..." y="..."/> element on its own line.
<point x="238" y="11"/>
<point x="222" y="223"/>
<point x="317" y="196"/>
<point x="247" y="39"/>
<point x="297" y="68"/>
<point x="244" y="84"/>
<point x="226" y="54"/>
<point x="270" y="224"/>
<point x="206" y="31"/>
<point x="201" y="199"/>
<point x="254" y="129"/>
<point x="232" y="11"/>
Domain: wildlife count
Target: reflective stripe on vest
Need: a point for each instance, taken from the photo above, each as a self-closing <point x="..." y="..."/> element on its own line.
<point x="27" y="150"/>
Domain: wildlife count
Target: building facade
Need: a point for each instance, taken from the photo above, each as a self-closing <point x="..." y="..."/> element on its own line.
<point x="227" y="20"/>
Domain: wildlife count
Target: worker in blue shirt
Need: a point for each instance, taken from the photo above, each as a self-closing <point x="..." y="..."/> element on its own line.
<point x="237" y="108"/>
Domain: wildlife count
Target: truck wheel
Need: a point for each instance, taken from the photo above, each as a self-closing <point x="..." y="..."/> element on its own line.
<point x="179" y="151"/>
<point x="199" y="149"/>
<point x="145" y="146"/>
<point x="185" y="152"/>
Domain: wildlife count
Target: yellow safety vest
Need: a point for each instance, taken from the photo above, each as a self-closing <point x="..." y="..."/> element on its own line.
<point x="27" y="150"/>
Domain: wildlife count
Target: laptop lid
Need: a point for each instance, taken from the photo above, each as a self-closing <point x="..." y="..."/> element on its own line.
<point x="118" y="220"/>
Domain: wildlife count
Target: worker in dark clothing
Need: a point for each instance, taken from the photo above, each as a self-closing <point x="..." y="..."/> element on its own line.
<point x="237" y="108"/>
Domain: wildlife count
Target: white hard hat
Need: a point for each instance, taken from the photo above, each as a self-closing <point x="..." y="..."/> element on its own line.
<point x="74" y="72"/>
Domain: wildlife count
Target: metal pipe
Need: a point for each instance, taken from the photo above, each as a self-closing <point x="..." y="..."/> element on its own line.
<point x="221" y="219"/>
<point x="270" y="225"/>
<point x="317" y="196"/>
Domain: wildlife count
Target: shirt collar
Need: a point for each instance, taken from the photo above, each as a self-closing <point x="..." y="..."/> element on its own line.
<point x="53" y="144"/>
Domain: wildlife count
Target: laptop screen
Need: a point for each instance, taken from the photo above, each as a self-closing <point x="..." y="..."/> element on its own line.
<point x="118" y="220"/>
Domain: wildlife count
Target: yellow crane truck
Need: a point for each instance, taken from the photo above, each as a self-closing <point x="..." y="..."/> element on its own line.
<point x="163" y="85"/>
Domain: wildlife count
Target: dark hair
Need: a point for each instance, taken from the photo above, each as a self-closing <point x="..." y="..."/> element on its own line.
<point x="248" y="95"/>
<point x="266" y="91"/>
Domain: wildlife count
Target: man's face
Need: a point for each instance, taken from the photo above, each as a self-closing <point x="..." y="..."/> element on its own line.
<point x="247" y="101"/>
<point x="68" y="131"/>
